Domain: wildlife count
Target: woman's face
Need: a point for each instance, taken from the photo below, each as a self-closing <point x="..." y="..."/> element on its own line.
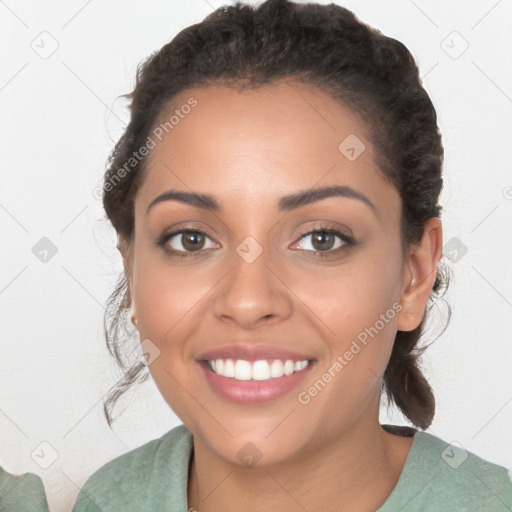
<point x="256" y="284"/>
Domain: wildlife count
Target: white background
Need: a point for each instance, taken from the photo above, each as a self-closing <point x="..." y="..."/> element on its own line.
<point x="60" y="119"/>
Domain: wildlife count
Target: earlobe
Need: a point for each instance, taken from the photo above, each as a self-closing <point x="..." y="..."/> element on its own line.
<point x="133" y="317"/>
<point x="422" y="262"/>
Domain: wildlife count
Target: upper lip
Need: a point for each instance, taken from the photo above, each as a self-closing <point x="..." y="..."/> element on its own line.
<point x="250" y="353"/>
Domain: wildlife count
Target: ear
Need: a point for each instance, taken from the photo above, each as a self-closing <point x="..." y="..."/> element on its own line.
<point x="420" y="275"/>
<point x="125" y="248"/>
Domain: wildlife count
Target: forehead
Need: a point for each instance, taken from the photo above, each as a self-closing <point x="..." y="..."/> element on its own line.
<point x="260" y="143"/>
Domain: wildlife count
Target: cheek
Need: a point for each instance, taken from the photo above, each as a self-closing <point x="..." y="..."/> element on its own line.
<point x="357" y="307"/>
<point x="165" y="294"/>
<point x="168" y="306"/>
<point x="352" y="297"/>
<point x="358" y="312"/>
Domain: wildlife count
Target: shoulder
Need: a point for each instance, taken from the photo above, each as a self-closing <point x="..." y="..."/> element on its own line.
<point x="464" y="469"/>
<point x="150" y="475"/>
<point x="24" y="492"/>
<point x="440" y="476"/>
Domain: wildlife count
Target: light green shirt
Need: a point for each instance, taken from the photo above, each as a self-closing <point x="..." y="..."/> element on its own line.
<point x="436" y="477"/>
<point x="24" y="493"/>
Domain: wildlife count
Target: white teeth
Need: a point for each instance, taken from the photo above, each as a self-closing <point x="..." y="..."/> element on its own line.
<point x="242" y="370"/>
<point x="276" y="368"/>
<point x="229" y="369"/>
<point x="260" y="370"/>
<point x="289" y="366"/>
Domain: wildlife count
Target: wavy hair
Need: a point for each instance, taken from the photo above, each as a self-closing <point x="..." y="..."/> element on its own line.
<point x="324" y="46"/>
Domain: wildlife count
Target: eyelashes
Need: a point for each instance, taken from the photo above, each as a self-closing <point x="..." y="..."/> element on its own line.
<point x="192" y="236"/>
<point x="327" y="233"/>
<point x="197" y="235"/>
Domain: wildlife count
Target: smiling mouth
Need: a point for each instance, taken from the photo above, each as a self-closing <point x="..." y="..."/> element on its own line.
<point x="259" y="370"/>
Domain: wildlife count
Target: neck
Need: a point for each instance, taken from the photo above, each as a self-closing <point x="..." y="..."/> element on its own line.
<point x="357" y="470"/>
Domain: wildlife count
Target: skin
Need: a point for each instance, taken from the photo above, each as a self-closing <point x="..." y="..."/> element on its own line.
<point x="248" y="149"/>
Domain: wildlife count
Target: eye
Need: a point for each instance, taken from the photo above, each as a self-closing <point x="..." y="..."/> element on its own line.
<point x="185" y="242"/>
<point x="324" y="240"/>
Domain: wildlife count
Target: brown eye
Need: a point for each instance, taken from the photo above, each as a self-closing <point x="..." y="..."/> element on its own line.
<point x="192" y="241"/>
<point x="324" y="240"/>
<point x="185" y="242"/>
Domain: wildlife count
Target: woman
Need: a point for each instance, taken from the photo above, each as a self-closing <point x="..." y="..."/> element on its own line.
<point x="275" y="195"/>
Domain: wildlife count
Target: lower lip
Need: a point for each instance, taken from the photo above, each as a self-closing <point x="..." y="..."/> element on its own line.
<point x="253" y="391"/>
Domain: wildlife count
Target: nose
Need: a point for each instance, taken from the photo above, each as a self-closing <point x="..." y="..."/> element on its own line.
<point x="252" y="294"/>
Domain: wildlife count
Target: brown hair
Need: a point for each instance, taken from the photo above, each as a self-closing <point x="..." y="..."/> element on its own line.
<point x="327" y="47"/>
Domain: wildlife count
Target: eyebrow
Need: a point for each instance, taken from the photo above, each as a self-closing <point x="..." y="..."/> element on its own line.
<point x="286" y="203"/>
